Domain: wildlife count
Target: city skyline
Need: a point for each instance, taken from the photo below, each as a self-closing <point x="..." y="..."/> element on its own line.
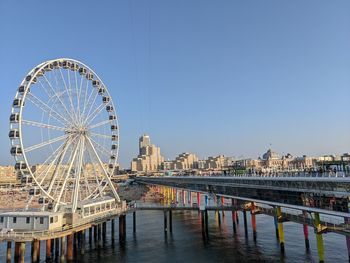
<point x="233" y="79"/>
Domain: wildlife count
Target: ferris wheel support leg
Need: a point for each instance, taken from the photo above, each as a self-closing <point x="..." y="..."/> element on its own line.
<point x="104" y="171"/>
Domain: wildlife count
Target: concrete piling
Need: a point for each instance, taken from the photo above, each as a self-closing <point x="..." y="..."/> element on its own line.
<point x="306" y="233"/>
<point x="99" y="235"/>
<point x="70" y="239"/>
<point x="122" y="228"/>
<point x="90" y="235"/>
<point x="112" y="229"/>
<point x="17" y="251"/>
<point x="165" y="222"/>
<point x="95" y="233"/>
<point x="253" y="219"/>
<point x="63" y="248"/>
<point x="48" y="249"/>
<point x="234" y="215"/>
<point x="82" y="242"/>
<point x="104" y="230"/>
<point x="245" y="223"/>
<point x="134" y="222"/>
<point x="36" y="250"/>
<point x="22" y="251"/>
<point x="203" y="223"/>
<point x="57" y="247"/>
<point x="206" y="223"/>
<point x="8" y="251"/>
<point x="276" y="224"/>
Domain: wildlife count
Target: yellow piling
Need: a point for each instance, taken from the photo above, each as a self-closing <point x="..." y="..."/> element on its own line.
<point x="319" y="238"/>
<point x="280" y="227"/>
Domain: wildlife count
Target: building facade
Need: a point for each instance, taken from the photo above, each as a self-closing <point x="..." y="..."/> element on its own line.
<point x="149" y="158"/>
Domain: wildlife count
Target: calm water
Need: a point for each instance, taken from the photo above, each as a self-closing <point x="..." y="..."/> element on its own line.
<point x="149" y="244"/>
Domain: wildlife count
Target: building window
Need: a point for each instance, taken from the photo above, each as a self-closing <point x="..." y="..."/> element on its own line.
<point x="14" y="220"/>
<point x="1" y="219"/>
<point x="28" y="220"/>
<point x="41" y="220"/>
<point x="51" y="220"/>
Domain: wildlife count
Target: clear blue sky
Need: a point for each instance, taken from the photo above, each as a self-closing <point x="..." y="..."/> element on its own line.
<point x="207" y="77"/>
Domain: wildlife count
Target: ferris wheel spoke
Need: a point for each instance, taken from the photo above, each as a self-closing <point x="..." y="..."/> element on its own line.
<point x="44" y="107"/>
<point x="79" y="96"/>
<point x="95" y="113"/>
<point x="94" y="171"/>
<point x="99" y="124"/>
<point x="100" y="148"/>
<point x="86" y="180"/>
<point x="91" y="106"/>
<point x="69" y="96"/>
<point x="104" y="170"/>
<point x="78" y="174"/>
<point x="100" y="135"/>
<point x="55" y="95"/>
<point x="74" y="153"/>
<point x="56" y="154"/>
<point x="59" y="159"/>
<point x="85" y="96"/>
<point x="48" y="142"/>
<point x="43" y="125"/>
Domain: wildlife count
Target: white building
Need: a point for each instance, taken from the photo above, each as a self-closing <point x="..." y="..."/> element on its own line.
<point x="35" y="221"/>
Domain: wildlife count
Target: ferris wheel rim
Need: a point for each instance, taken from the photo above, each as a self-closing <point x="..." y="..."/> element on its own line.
<point x="34" y="73"/>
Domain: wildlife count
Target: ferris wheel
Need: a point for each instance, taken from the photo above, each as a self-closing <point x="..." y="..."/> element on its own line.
<point x="64" y="134"/>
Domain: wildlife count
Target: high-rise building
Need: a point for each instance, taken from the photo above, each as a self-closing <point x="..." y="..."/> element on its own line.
<point x="149" y="158"/>
<point x="144" y="141"/>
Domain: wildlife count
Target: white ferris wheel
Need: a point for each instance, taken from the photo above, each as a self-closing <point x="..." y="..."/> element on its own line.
<point x="64" y="134"/>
